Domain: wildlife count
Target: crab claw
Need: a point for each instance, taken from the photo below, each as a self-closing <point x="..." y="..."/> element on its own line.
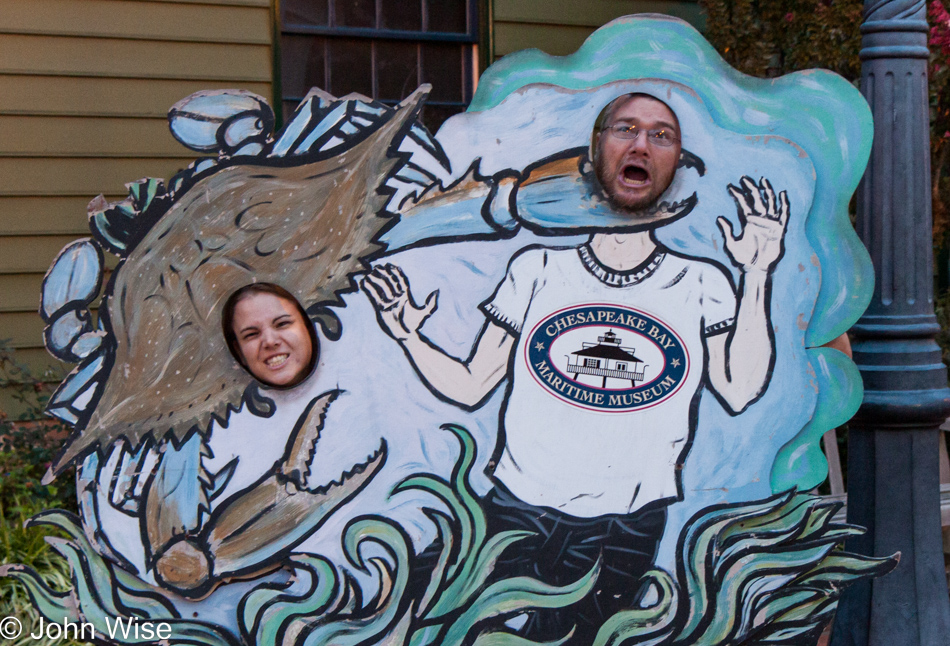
<point x="255" y="530"/>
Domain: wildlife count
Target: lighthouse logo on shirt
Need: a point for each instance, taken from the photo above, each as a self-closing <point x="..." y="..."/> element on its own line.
<point x="606" y="357"/>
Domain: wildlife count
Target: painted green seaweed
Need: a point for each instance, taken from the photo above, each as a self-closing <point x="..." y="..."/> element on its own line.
<point x="762" y="572"/>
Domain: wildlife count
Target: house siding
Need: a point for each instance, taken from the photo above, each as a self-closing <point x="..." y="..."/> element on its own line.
<point x="559" y="27"/>
<point x="85" y="86"/>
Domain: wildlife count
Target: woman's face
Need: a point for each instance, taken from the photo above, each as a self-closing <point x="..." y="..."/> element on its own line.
<point x="273" y="338"/>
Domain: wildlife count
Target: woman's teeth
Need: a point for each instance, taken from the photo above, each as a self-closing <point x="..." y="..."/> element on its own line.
<point x="277" y="360"/>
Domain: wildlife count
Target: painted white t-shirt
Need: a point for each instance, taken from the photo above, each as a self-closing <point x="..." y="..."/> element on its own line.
<point x="606" y="370"/>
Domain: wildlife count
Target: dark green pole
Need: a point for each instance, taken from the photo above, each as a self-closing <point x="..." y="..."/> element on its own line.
<point x="893" y="481"/>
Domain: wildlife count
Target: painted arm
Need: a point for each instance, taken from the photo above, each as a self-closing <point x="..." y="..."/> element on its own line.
<point x="464" y="383"/>
<point x="740" y="361"/>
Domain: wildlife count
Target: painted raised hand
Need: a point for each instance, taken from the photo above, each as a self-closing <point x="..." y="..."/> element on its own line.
<point x="763" y="218"/>
<point x="398" y="314"/>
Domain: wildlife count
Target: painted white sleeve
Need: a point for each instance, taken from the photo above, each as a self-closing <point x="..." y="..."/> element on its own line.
<point x="719" y="302"/>
<point x="508" y="307"/>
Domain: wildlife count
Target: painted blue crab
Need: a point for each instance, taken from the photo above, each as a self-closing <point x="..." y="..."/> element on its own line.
<point x="155" y="373"/>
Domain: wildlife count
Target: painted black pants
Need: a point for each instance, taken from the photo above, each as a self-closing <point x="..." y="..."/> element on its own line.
<point x="563" y="549"/>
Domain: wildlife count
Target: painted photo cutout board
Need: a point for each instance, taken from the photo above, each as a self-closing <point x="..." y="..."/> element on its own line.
<point x="552" y="375"/>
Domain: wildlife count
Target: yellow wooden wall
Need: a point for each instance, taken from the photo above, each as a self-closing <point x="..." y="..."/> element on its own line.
<point x="84" y="89"/>
<point x="559" y="27"/>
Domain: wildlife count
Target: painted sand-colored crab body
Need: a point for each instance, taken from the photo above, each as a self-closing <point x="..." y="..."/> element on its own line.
<point x="306" y="222"/>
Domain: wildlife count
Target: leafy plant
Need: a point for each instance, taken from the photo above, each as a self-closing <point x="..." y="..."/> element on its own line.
<point x="29" y="442"/>
<point x="939" y="76"/>
<point x="20" y="544"/>
<point x="767" y="38"/>
<point x="27" y="445"/>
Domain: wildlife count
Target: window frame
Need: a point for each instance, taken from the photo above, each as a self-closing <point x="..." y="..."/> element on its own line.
<point x="474" y="60"/>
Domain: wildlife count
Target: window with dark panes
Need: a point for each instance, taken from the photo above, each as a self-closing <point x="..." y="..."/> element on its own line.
<point x="384" y="49"/>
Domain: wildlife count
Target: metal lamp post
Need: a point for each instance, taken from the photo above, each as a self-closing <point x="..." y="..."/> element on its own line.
<point x="893" y="481"/>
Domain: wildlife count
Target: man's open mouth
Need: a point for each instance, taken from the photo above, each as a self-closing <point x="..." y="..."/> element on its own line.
<point x="635" y="175"/>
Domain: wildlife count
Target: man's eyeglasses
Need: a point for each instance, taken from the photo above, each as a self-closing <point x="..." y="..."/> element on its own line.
<point x="660" y="137"/>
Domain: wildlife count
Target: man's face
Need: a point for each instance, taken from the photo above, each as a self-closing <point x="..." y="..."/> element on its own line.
<point x="635" y="172"/>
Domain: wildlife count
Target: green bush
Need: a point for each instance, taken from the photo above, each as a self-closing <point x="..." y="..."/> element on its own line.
<point x="27" y="446"/>
<point x="29" y="547"/>
<point x="768" y="38"/>
<point x="29" y="443"/>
